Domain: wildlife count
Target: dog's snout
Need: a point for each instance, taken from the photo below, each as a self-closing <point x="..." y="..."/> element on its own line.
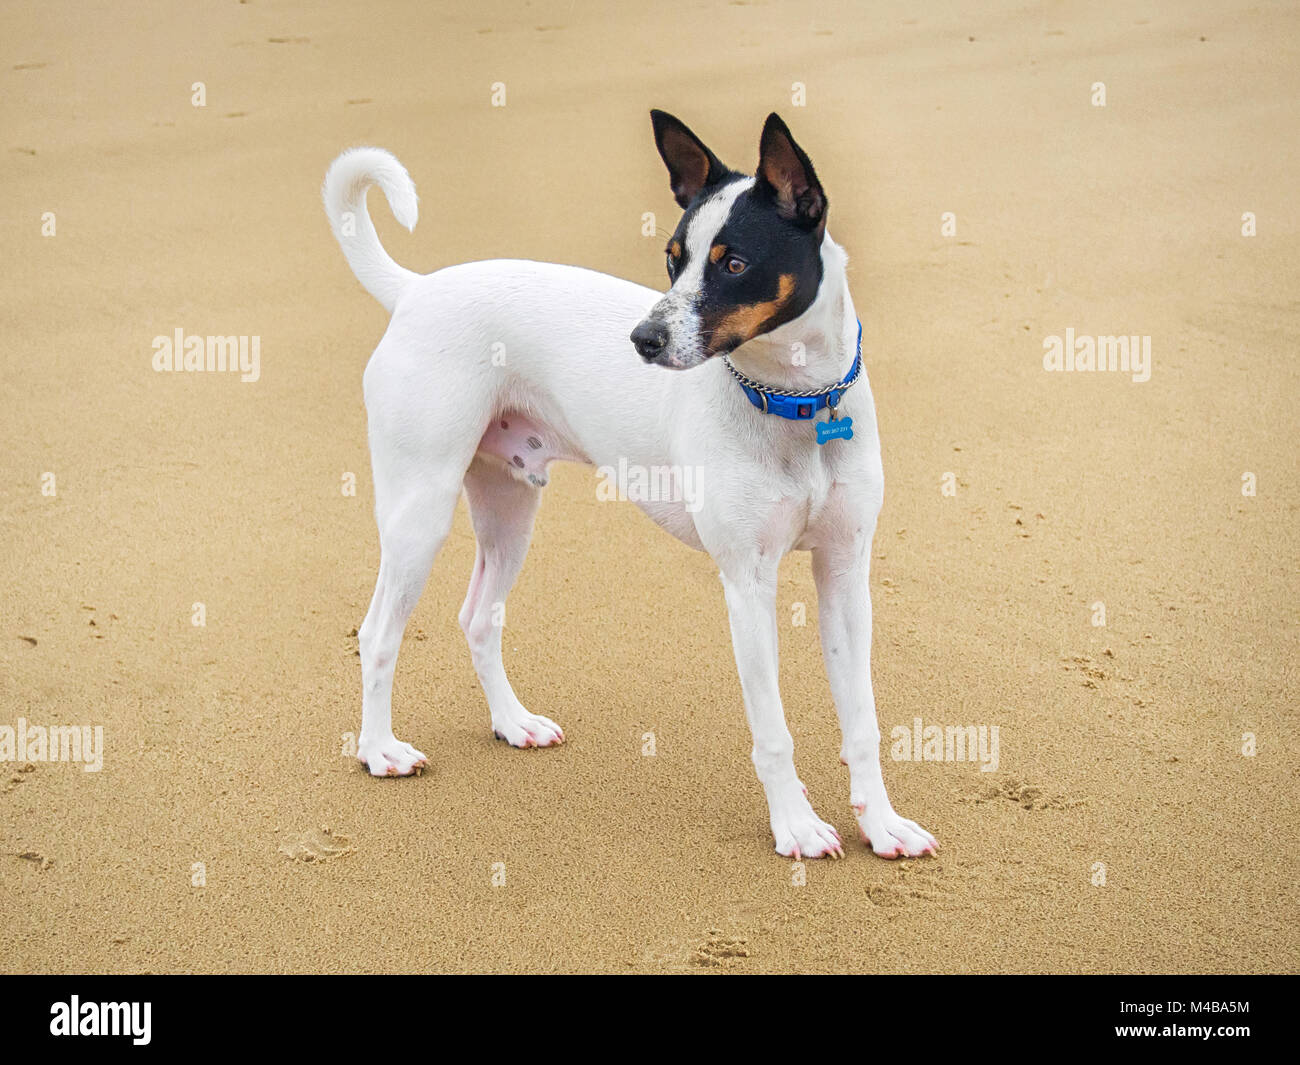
<point x="650" y="338"/>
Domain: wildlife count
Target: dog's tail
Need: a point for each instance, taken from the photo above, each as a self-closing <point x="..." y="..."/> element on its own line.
<point x="344" y="191"/>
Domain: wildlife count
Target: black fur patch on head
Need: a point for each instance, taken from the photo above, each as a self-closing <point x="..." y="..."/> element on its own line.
<point x="679" y="255"/>
<point x="780" y="274"/>
<point x="764" y="263"/>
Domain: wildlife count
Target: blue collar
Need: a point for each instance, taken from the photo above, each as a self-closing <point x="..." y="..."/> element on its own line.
<point x="798" y="406"/>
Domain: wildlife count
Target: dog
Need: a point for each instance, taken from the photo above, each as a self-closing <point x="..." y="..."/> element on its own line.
<point x="490" y="371"/>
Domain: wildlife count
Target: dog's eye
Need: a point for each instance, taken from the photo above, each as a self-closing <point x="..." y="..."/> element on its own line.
<point x="734" y="266"/>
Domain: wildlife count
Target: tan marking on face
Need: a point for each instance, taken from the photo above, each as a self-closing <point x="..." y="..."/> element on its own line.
<point x="745" y="323"/>
<point x="675" y="249"/>
<point x="717" y="252"/>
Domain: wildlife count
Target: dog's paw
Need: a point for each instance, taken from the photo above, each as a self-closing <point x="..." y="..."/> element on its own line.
<point x="798" y="831"/>
<point x="390" y="757"/>
<point x="891" y="836"/>
<point x="527" y="730"/>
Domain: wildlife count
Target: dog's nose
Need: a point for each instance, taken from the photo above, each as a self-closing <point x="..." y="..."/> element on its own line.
<point x="649" y="338"/>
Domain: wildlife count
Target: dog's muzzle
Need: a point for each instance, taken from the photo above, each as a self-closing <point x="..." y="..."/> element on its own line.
<point x="650" y="338"/>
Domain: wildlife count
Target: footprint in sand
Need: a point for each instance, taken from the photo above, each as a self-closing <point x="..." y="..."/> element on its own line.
<point x="719" y="950"/>
<point x="1026" y="796"/>
<point x="317" y="845"/>
<point x="910" y="881"/>
<point x="17" y="778"/>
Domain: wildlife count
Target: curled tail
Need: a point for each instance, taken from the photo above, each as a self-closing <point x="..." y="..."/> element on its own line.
<point x="344" y="191"/>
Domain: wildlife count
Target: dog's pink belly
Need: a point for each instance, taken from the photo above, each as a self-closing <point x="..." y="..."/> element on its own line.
<point x="526" y="446"/>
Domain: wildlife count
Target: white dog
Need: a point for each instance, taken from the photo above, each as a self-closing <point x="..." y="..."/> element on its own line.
<point x="491" y="370"/>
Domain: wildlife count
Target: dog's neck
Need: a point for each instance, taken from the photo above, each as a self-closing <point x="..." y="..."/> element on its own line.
<point x="816" y="349"/>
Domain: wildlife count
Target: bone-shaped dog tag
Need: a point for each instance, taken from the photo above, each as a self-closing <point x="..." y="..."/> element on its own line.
<point x="835" y="427"/>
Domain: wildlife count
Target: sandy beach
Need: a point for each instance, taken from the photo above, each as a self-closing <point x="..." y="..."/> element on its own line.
<point x="184" y="568"/>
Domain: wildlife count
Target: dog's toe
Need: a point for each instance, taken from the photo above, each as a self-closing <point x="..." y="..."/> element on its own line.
<point x="528" y="730"/>
<point x="799" y="833"/>
<point x="891" y="836"/>
<point x="390" y="757"/>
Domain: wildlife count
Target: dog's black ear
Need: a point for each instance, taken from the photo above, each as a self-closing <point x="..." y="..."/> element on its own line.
<point x="691" y="166"/>
<point x="787" y="174"/>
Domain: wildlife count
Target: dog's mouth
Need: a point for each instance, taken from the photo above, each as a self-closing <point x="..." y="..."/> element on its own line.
<point x="715" y="344"/>
<point x="695" y="351"/>
<point x="708" y="347"/>
<point x="684" y="358"/>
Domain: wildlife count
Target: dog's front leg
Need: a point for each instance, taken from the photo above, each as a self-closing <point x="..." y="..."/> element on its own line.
<point x="844" y="617"/>
<point x="751" y="605"/>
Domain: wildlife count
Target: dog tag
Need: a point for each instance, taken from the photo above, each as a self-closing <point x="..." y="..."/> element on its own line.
<point x="835" y="427"/>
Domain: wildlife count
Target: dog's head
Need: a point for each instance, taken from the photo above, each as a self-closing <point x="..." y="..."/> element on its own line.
<point x="746" y="255"/>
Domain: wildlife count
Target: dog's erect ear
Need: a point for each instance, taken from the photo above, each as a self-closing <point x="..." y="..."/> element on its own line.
<point x="787" y="174"/>
<point x="691" y="166"/>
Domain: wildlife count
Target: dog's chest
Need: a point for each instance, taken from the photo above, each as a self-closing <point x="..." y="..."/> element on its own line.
<point x="800" y="498"/>
<point x="843" y="494"/>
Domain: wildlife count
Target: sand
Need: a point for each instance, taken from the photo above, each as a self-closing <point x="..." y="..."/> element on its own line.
<point x="227" y="831"/>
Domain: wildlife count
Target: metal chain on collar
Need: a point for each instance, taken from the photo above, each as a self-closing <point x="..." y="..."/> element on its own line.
<point x="812" y="393"/>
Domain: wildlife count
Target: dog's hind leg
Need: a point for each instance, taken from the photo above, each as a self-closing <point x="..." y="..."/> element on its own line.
<point x="410" y="534"/>
<point x="502" y="508"/>
<point x="419" y="457"/>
